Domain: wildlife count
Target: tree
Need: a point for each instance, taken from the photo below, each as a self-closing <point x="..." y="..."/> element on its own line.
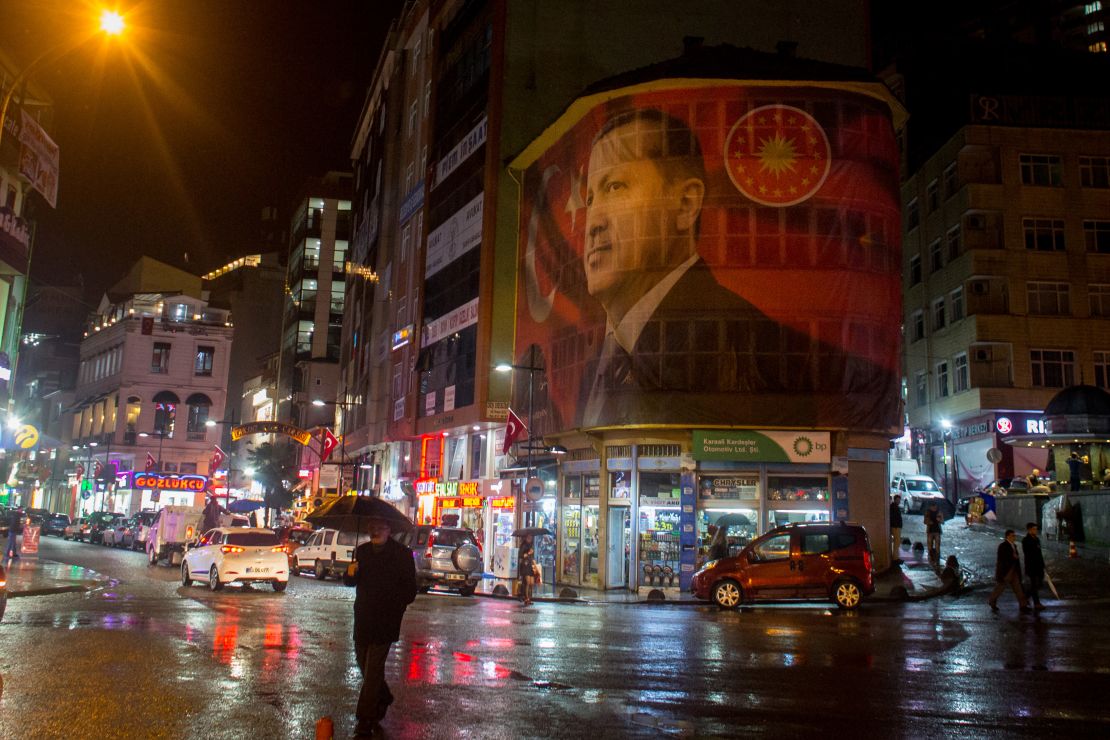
<point x="274" y="470"/>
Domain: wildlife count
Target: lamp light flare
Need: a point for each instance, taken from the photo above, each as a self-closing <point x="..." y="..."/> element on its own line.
<point x="111" y="22"/>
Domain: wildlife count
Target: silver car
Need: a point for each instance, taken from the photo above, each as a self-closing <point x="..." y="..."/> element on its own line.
<point x="446" y="557"/>
<point x="918" y="492"/>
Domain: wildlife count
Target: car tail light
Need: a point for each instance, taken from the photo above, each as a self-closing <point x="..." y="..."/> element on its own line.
<point x="867" y="559"/>
<point x="431" y="543"/>
<point x="280" y="548"/>
<point x="232" y="548"/>
<point x="189" y="532"/>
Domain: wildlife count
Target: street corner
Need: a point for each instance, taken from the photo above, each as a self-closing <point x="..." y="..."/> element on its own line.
<point x="33" y="576"/>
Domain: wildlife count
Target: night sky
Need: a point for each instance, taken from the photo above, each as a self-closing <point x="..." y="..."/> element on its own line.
<point x="174" y="137"/>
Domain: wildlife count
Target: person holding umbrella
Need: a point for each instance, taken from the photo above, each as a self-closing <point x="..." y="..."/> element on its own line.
<point x="526" y="568"/>
<point x="384" y="576"/>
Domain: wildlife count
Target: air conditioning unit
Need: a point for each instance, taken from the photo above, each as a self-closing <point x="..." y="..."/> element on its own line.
<point x="980" y="287"/>
<point x="983" y="354"/>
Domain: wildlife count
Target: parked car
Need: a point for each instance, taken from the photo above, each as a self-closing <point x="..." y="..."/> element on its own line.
<point x="236" y="554"/>
<point x="117" y="533"/>
<point x="811" y="561"/>
<point x="327" y="552"/>
<point x="77" y="530"/>
<point x="293" y="538"/>
<point x="446" y="557"/>
<point x="918" y="492"/>
<point x="139" y="532"/>
<point x="55" y="524"/>
<point x="99" y="521"/>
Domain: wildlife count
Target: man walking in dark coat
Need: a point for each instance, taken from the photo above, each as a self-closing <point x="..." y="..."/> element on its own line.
<point x="896" y="530"/>
<point x="385" y="579"/>
<point x="1007" y="572"/>
<point x="1034" y="563"/>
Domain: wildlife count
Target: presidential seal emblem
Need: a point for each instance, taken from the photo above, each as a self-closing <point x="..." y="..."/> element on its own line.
<point x="777" y="155"/>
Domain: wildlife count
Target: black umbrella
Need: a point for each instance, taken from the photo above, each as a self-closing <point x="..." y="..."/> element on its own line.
<point x="532" y="532"/>
<point x="733" y="520"/>
<point x="350" y="514"/>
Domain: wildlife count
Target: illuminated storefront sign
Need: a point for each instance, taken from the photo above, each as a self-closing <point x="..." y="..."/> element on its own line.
<point x="460" y="503"/>
<point x="505" y="502"/>
<point x="161" y="482"/>
<point x="426" y="486"/>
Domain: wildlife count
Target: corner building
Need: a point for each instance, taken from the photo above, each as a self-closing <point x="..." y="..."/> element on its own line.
<point x="785" y="396"/>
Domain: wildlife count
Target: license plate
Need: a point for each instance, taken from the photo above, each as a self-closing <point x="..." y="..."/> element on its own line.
<point x="257" y="569"/>
<point x="455" y="577"/>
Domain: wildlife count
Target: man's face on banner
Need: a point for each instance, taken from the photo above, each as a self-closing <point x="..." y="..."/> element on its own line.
<point x="634" y="219"/>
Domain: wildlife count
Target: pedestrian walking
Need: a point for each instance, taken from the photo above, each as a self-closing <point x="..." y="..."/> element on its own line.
<point x="718" y="546"/>
<point x="896" y="529"/>
<point x="1034" y="563"/>
<point x="1075" y="472"/>
<point x="212" y="511"/>
<point x="15" y="524"/>
<point x="933" y="521"/>
<point x="526" y="568"/>
<point x="1007" y="572"/>
<point x="384" y="577"/>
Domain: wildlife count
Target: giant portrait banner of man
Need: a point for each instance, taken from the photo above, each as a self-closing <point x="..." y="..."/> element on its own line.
<point x="715" y="254"/>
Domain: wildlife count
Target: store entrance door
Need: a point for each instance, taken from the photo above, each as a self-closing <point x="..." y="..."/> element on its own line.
<point x="618" y="547"/>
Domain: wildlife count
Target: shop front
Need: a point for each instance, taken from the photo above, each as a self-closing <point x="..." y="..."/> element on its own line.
<point x="579" y="514"/>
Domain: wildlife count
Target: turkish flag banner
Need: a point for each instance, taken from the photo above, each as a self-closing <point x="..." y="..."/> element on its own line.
<point x="217" y="459"/>
<point x="513" y="429"/>
<point x="330" y="442"/>
<point x="151" y="463"/>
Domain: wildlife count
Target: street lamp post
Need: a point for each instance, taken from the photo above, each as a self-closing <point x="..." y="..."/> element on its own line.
<point x="947" y="428"/>
<point x="319" y="402"/>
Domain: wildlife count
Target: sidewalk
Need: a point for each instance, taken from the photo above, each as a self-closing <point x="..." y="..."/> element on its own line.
<point x="33" y="576"/>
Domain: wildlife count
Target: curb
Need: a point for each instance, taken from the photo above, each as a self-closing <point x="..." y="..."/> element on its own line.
<point x="49" y="591"/>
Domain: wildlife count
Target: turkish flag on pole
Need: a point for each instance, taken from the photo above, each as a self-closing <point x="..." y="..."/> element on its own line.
<point x="217" y="459"/>
<point x="330" y="442"/>
<point x="98" y="468"/>
<point x="151" y="463"/>
<point x="513" y="428"/>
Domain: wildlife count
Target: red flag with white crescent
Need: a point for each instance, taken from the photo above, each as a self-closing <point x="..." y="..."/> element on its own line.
<point x="98" y="468"/>
<point x="513" y="429"/>
<point x="151" y="463"/>
<point x="330" y="442"/>
<point x="217" y="459"/>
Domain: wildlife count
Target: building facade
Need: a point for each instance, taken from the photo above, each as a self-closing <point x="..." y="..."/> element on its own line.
<point x="1007" y="282"/>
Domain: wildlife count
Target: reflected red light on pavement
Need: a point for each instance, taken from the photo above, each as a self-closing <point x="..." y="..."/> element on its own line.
<point x="225" y="638"/>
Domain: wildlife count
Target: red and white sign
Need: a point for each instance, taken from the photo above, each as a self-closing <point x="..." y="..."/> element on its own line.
<point x="513" y="429"/>
<point x="1004" y="425"/>
<point x="38" y="159"/>
<point x="30" y="543"/>
<point x="151" y="463"/>
<point x="217" y="459"/>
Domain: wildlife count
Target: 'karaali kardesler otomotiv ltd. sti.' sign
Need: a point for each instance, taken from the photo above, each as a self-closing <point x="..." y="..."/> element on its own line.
<point x="715" y="254"/>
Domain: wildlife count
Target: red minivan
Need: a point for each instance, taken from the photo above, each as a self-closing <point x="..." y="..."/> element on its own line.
<point x="812" y="562"/>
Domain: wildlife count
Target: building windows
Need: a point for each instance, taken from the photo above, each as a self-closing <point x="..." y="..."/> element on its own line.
<point x="1048" y="299"/>
<point x="1043" y="234"/>
<point x="939" y="316"/>
<point x="1102" y="369"/>
<point x="160" y="360"/>
<point x="951" y="180"/>
<point x="956" y="304"/>
<point x="1099" y="296"/>
<point x="915" y="269"/>
<point x="913" y="215"/>
<point x="1041" y="169"/>
<point x="954" y="243"/>
<point x="1098" y="47"/>
<point x="961" y="378"/>
<point x="199" y="407"/>
<point x="414" y="112"/>
<point x="917" y="326"/>
<point x="1052" y="368"/>
<point x="1096" y="27"/>
<point x="921" y="389"/>
<point x="1094" y="172"/>
<point x="1096" y="236"/>
<point x="1092" y="8"/>
<point x="203" y="363"/>
<point x="406" y="240"/>
<point x="932" y="196"/>
<point x="942" y="379"/>
<point x="936" y="256"/>
<point x="427" y="98"/>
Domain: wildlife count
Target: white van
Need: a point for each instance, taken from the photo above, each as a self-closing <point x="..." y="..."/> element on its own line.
<point x="327" y="552"/>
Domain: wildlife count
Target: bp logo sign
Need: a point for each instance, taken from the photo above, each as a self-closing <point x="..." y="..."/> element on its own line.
<point x="803" y="446"/>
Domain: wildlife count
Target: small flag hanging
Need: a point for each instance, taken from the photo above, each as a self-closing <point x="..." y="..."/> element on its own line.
<point x="513" y="429"/>
<point x="151" y="463"/>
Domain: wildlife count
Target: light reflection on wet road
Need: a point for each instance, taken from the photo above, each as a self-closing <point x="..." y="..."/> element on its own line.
<point x="146" y="657"/>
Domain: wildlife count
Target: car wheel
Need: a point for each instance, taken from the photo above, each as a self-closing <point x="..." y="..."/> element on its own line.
<point x="151" y="557"/>
<point x="279" y="586"/>
<point x="320" y="571"/>
<point x="467" y="590"/>
<point x="185" y="579"/>
<point x="727" y="594"/>
<point x="846" y="594"/>
<point x="214" y="579"/>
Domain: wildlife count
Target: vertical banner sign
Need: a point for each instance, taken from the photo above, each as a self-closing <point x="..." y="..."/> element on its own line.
<point x="30" y="543"/>
<point x="38" y="159"/>
<point x="688" y="534"/>
<point x="838" y="489"/>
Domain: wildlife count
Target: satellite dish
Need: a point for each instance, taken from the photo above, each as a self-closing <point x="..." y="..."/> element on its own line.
<point x="994" y="455"/>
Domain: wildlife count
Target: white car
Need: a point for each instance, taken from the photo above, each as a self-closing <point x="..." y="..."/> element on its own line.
<point x="239" y="554"/>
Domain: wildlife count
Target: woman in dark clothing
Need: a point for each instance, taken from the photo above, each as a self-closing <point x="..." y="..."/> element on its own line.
<point x="525" y="569"/>
<point x="718" y="546"/>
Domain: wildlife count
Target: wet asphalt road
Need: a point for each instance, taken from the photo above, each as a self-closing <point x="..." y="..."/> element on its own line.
<point x="146" y="658"/>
